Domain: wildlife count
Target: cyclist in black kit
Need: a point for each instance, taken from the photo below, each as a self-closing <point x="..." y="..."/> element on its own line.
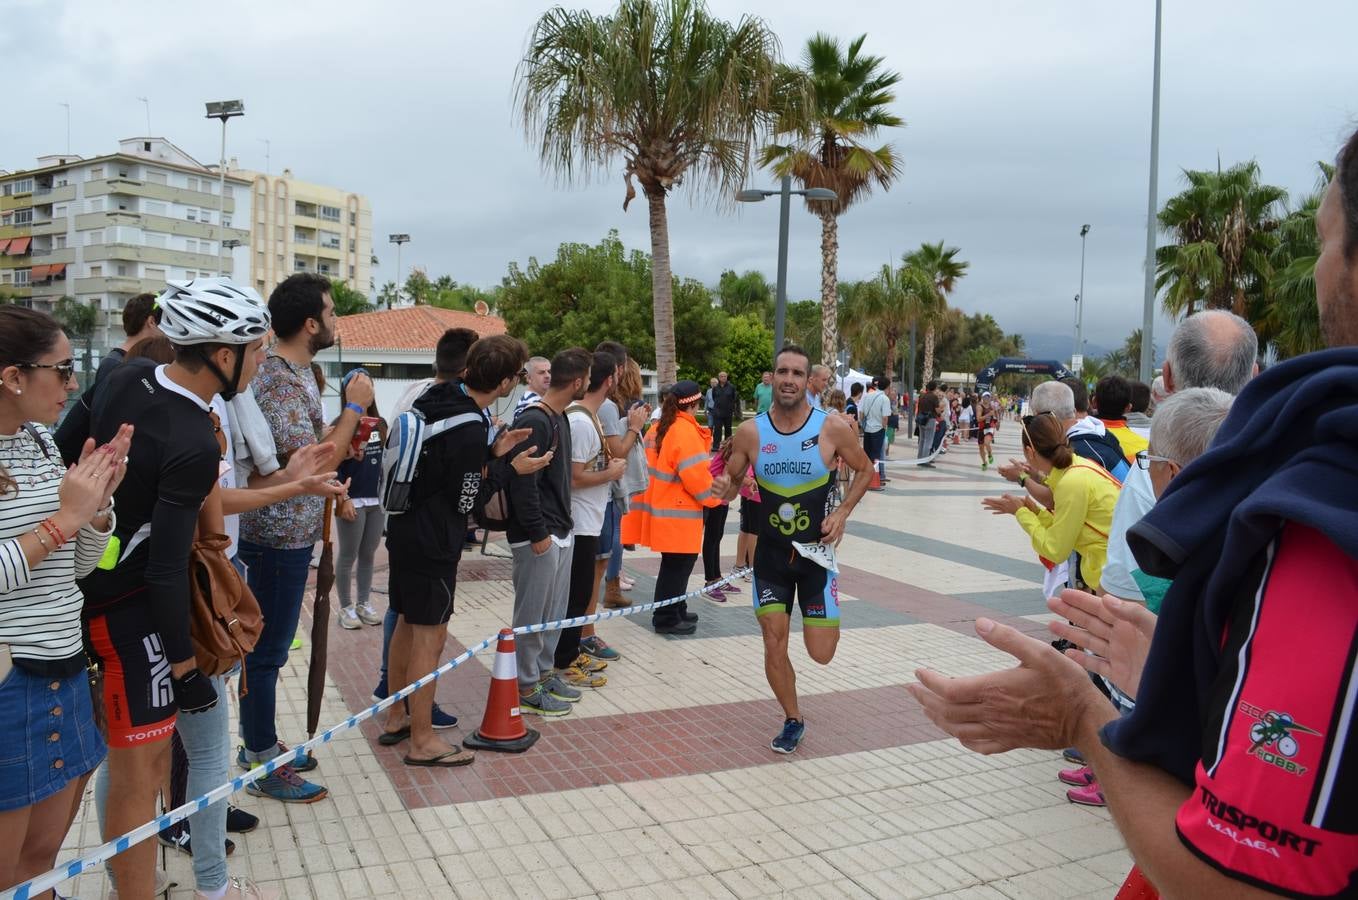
<point x="137" y="599"/>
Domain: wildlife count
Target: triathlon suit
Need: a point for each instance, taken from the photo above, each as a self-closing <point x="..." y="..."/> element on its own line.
<point x="137" y="599"/>
<point x="794" y="484"/>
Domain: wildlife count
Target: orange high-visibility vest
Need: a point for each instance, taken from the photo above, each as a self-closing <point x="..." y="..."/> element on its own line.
<point x="668" y="515"/>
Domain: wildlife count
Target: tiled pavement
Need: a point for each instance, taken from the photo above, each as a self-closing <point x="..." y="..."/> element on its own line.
<point x="662" y="783"/>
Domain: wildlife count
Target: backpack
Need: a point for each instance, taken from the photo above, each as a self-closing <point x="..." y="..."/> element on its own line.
<point x="496" y="514"/>
<point x="401" y="459"/>
<point x="224" y="616"/>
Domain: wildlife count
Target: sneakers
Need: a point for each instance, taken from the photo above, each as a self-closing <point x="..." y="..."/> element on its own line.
<point x="238" y="821"/>
<point x="586" y="663"/>
<point x="184" y="844"/>
<point x="380" y="692"/>
<point x="557" y="688"/>
<point x="1089" y="795"/>
<point x="349" y="619"/>
<point x="286" y="786"/>
<point x="303" y="763"/>
<point x="626" y="583"/>
<point x="438" y="717"/>
<point x="1073" y="756"/>
<point x="577" y="677"/>
<point x="244" y="889"/>
<point x="1081" y="777"/>
<point x="594" y="646"/>
<point x="715" y="594"/>
<point x="984" y="465"/>
<point x="367" y="615"/>
<point x="789" y="737"/>
<point x="541" y="703"/>
<point x="730" y="588"/>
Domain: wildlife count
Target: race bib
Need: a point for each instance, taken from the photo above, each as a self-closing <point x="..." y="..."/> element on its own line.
<point x="822" y="555"/>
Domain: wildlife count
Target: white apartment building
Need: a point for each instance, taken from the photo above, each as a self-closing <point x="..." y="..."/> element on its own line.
<point x="105" y="229"/>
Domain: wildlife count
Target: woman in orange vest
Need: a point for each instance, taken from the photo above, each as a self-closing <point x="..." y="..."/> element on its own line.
<point x="668" y="516"/>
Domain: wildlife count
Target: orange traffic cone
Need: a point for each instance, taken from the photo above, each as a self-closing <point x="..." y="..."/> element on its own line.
<point x="876" y="484"/>
<point x="502" y="727"/>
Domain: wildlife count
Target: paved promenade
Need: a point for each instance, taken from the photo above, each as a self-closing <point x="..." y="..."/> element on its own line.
<point x="662" y="784"/>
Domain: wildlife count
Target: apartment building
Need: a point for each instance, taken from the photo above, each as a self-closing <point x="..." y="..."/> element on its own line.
<point x="298" y="226"/>
<point x="105" y="229"/>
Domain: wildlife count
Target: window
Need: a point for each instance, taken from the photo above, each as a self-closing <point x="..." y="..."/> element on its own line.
<point x="22" y="186"/>
<point x="191" y="214"/>
<point x="6" y="276"/>
<point x="23" y="217"/>
<point x="94" y="237"/>
<point x="208" y="186"/>
<point x="122" y="173"/>
<point x="330" y="213"/>
<point x="230" y="191"/>
<point x="351" y="245"/>
<point x="97" y="204"/>
<point x="146" y="148"/>
<point x="59" y="210"/>
<point x="192" y="184"/>
<point x="226" y="221"/>
<point x="155" y="177"/>
<point x="280" y="260"/>
<point x="259" y="260"/>
<point x="205" y="216"/>
<point x="191" y="246"/>
<point x="351" y="273"/>
<point x="330" y="239"/>
<point x="154" y="208"/>
<point x="6" y="219"/>
<point x="59" y="242"/>
<point x="150" y="239"/>
<point x="207" y="247"/>
<point x="298" y="264"/>
<point x="96" y="271"/>
<point x="353" y="218"/>
<point x="21" y="276"/>
<point x="97" y="173"/>
<point x="157" y="274"/>
<point x="122" y="270"/>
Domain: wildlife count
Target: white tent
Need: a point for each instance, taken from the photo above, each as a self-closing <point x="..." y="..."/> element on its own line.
<point x="852" y="377"/>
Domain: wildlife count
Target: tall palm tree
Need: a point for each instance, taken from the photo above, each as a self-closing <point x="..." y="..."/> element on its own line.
<point x="941" y="268"/>
<point x="665" y="88"/>
<point x="1291" y="319"/>
<point x="1223" y="233"/>
<point x="877" y="313"/>
<point x="831" y="107"/>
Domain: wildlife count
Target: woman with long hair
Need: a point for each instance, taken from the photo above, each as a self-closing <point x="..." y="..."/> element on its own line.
<point x="54" y="526"/>
<point x="668" y="516"/>
<point x="1083" y="497"/>
<point x="359" y="515"/>
<point x="626" y="394"/>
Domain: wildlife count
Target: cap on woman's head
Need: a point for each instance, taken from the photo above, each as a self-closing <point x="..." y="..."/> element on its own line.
<point x="686" y="392"/>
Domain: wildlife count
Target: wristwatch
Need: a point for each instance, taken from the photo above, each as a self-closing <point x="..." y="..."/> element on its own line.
<point x="1023" y="476"/>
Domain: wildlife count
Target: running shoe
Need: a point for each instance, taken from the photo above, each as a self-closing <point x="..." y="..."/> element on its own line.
<point x="304" y="762"/>
<point x="730" y="588"/>
<point x="368" y="615"/>
<point x="184" y="844"/>
<point x="586" y="663"/>
<point x="595" y="647"/>
<point x="296" y="643"/>
<point x="238" y="888"/>
<point x="348" y="618"/>
<point x="541" y="703"/>
<point x="286" y="786"/>
<point x="1073" y="756"/>
<point x="1089" y="795"/>
<point x="984" y="465"/>
<point x="715" y="594"/>
<point x="380" y="692"/>
<point x="1081" y="777"/>
<point x="441" y="720"/>
<point x="578" y="677"/>
<point x="992" y="459"/>
<point x="789" y="737"/>
<point x="238" y="821"/>
<point x="557" y="688"/>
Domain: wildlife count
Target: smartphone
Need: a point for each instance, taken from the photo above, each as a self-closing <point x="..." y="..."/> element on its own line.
<point x="366" y="424"/>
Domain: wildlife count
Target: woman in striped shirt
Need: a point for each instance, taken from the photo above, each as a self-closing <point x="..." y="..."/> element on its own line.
<point x="54" y="525"/>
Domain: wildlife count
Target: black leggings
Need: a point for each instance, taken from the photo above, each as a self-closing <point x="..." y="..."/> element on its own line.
<point x="582" y="581"/>
<point x="675" y="569"/>
<point x="714" y="526"/>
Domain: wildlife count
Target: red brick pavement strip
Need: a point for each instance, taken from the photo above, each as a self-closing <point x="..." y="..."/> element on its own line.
<point x="585" y="752"/>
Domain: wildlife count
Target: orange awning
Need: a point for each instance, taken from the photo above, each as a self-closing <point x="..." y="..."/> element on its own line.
<point x="39" y="272"/>
<point x="19" y="246"/>
<point x="56" y="269"/>
<point x="4" y="244"/>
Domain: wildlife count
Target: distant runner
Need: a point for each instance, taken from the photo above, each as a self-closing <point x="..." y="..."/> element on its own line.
<point x="793" y="448"/>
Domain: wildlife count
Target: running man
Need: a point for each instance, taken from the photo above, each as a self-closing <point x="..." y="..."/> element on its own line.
<point x="793" y="449"/>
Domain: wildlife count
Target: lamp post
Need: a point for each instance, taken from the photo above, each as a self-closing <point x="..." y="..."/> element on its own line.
<point x="1080" y="304"/>
<point x="1148" y="310"/>
<point x="398" y="240"/>
<point x="224" y="110"/>
<point x="784" y="193"/>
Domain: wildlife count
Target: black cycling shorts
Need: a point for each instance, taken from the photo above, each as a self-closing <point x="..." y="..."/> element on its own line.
<point x="780" y="573"/>
<point x="749" y="516"/>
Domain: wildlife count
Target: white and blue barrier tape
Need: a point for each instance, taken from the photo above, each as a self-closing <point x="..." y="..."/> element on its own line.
<point x="106" y="851"/>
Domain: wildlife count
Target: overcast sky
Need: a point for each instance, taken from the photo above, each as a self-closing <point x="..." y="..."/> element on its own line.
<point x="1024" y="121"/>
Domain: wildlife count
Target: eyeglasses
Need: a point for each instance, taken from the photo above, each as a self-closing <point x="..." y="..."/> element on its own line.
<point x="1144" y="460"/>
<point x="65" y="369"/>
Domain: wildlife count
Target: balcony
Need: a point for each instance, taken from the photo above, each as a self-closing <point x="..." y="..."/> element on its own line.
<point x="53" y="225"/>
<point x="160" y="256"/>
<point x="55" y="255"/>
<point x="135" y="188"/>
<point x="60" y="194"/>
<point x="117" y="284"/>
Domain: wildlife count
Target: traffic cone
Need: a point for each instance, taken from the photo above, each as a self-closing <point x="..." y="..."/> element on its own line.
<point x="502" y="727"/>
<point x="876" y="484"/>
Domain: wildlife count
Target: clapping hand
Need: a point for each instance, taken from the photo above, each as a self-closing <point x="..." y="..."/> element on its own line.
<point x="1116" y="633"/>
<point x="1006" y="505"/>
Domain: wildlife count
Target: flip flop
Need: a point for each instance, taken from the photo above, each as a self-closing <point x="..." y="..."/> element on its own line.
<point x="392" y="738"/>
<point x="449" y="760"/>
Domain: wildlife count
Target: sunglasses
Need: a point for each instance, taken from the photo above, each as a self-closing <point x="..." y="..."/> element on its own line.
<point x="1144" y="460"/>
<point x="1028" y="420"/>
<point x="65" y="369"/>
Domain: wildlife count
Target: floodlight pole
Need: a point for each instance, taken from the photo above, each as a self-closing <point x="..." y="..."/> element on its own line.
<point x="1148" y="309"/>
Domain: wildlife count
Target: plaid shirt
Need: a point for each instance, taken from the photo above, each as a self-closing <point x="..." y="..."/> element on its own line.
<point x="291" y="404"/>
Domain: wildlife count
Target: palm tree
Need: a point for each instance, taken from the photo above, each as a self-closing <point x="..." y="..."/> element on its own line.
<point x="877" y="313"/>
<point x="1223" y="229"/>
<point x="1291" y="319"/>
<point x="661" y="85"/>
<point x="941" y="268"/>
<point x="830" y="108"/>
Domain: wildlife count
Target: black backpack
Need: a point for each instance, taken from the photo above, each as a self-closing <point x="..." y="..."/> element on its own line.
<point x="496" y="514"/>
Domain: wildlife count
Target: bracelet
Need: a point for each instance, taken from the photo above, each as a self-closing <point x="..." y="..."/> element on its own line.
<point x="53" y="532"/>
<point x="41" y="540"/>
<point x="358" y="410"/>
<point x="1023" y="476"/>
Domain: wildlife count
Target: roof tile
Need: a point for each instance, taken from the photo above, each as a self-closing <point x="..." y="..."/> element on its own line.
<point x="410" y="327"/>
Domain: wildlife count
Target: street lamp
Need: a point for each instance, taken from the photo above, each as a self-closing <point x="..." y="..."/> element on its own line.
<point x="229" y="245"/>
<point x="784" y="193"/>
<point x="398" y="240"/>
<point x="1148" y="300"/>
<point x="224" y="110"/>
<point x="1080" y="304"/>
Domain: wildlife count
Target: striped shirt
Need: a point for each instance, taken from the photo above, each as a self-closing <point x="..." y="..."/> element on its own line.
<point x="40" y="607"/>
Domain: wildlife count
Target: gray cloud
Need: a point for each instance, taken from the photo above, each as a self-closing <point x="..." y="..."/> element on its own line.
<point x="1023" y="124"/>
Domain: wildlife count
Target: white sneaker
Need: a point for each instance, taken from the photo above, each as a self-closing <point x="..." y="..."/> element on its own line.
<point x="349" y="619"/>
<point x="367" y="615"/>
<point x="626" y="583"/>
<point x="244" y="889"/>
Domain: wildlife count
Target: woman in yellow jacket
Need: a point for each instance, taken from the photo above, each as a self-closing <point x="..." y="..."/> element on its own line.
<point x="1083" y="497"/>
<point x="668" y="516"/>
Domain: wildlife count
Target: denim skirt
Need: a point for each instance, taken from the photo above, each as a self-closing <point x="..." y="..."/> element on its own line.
<point x="51" y="738"/>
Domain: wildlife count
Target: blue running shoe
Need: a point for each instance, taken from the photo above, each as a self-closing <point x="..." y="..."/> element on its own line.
<point x="789" y="737"/>
<point x="304" y="762"/>
<point x="442" y="719"/>
<point x="380" y="692"/>
<point x="287" y="786"/>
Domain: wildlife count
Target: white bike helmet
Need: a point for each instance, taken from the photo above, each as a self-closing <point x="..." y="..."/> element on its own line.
<point x="211" y="310"/>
